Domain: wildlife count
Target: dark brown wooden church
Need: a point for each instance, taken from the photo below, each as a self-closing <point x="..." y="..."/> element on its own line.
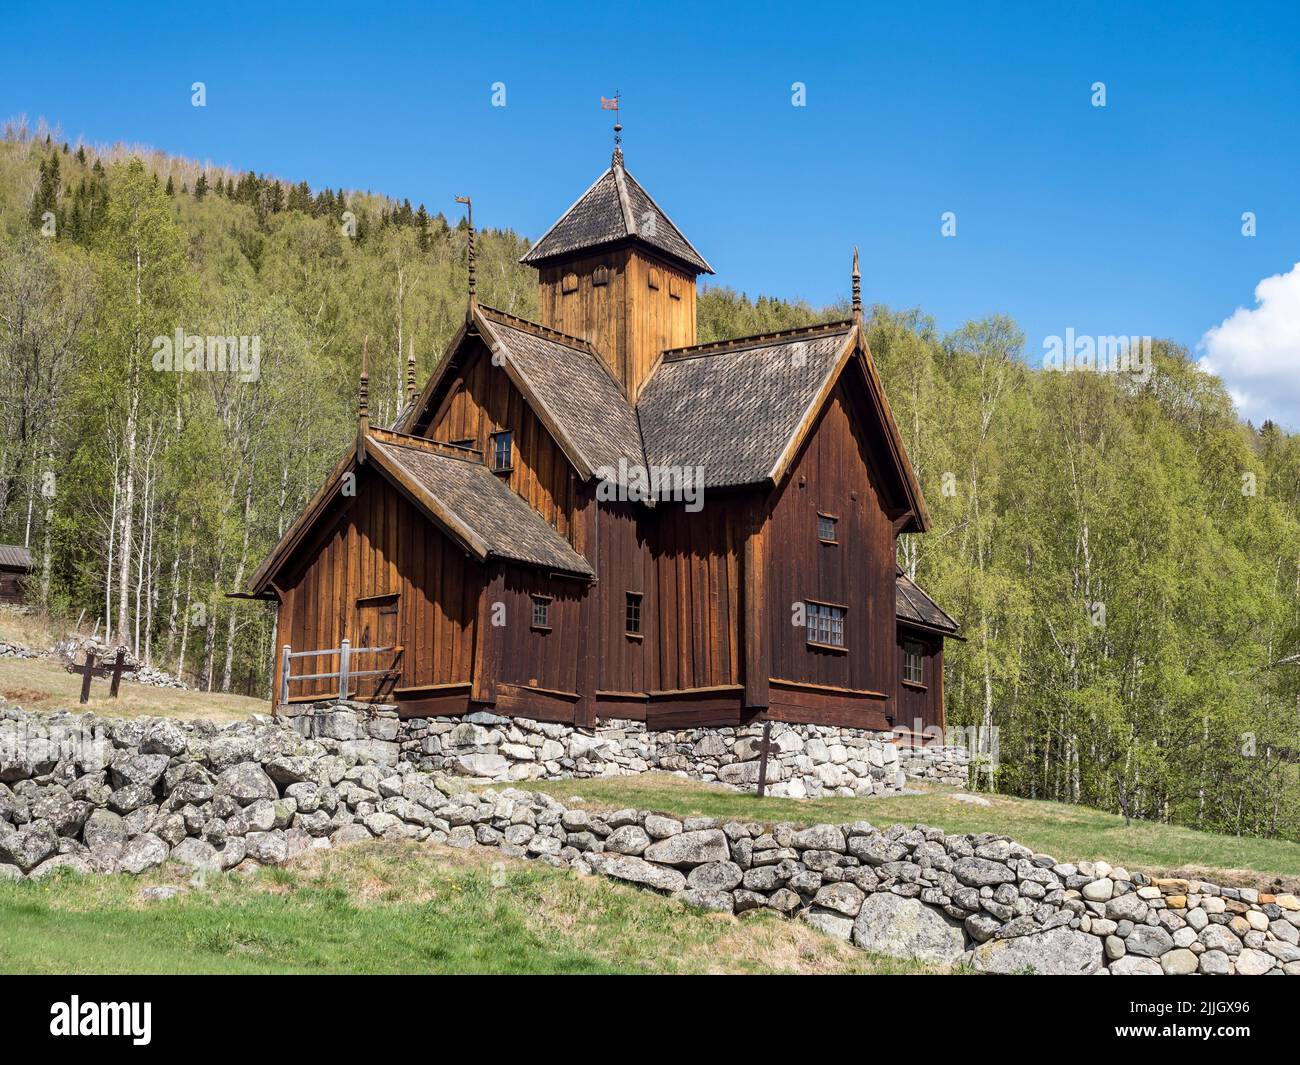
<point x="596" y="517"/>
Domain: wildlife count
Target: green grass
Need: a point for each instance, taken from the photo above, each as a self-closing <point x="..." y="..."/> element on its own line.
<point x="40" y="684"/>
<point x="1069" y="833"/>
<point x="396" y="908"/>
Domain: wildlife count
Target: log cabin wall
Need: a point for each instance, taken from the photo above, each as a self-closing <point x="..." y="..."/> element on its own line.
<point x="833" y="476"/>
<point x="919" y="706"/>
<point x="630" y="305"/>
<point x="11" y="585"/>
<point x="380" y="563"/>
<point x="482" y="401"/>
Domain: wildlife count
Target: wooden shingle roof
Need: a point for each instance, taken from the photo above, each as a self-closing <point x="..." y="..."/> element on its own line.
<point x="477" y="506"/>
<point x="615" y="208"/>
<point x="570" y="383"/>
<point x="14" y="557"/>
<point x="734" y="408"/>
<point x="913" y="605"/>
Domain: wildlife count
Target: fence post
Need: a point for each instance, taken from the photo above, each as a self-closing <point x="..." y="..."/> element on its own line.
<point x="344" y="652"/>
<point x="284" y="676"/>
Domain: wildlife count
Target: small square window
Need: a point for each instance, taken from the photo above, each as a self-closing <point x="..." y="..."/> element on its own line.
<point x="913" y="662"/>
<point x="541" y="612"/>
<point x="826" y="529"/>
<point x="632" y="615"/>
<point x="503" y="455"/>
<point x="825" y="624"/>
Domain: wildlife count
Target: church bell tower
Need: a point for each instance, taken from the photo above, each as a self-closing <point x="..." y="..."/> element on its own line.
<point x="615" y="271"/>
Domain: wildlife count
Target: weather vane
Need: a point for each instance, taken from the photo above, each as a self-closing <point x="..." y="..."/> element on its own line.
<point x="612" y="104"/>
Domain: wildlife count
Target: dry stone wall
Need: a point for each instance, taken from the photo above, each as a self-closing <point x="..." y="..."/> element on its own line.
<point x="804" y="761"/>
<point x="98" y="795"/>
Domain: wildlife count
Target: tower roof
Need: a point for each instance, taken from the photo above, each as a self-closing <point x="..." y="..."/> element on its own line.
<point x="615" y="208"/>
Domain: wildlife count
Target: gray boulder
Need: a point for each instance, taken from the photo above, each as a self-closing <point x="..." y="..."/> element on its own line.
<point x="29" y="846"/>
<point x="638" y="871"/>
<point x="269" y="848"/>
<point x="831" y="922"/>
<point x="907" y="928"/>
<point x="1147" y="941"/>
<point x="1057" y="952"/>
<point x="715" y="876"/>
<point x="690" y="848"/>
<point x="246" y="782"/>
<point x="163" y="736"/>
<point x="143" y="852"/>
<point x="843" y="898"/>
<point x="146" y="769"/>
<point x="196" y="854"/>
<point x="982" y="872"/>
<point x="709" y="899"/>
<point x="630" y="839"/>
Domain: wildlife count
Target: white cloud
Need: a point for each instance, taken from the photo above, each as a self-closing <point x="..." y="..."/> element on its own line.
<point x="1256" y="352"/>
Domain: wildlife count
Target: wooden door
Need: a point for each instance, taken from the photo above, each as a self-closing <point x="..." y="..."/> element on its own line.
<point x="376" y="627"/>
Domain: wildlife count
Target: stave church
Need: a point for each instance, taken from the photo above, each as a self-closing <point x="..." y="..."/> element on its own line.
<point x="593" y="516"/>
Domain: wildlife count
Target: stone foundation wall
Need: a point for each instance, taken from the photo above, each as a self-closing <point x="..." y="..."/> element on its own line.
<point x="101" y="795"/>
<point x="804" y="760"/>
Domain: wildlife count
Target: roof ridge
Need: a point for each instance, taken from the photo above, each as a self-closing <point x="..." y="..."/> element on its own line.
<point x="678" y="229"/>
<point x="536" y="327"/>
<point x="755" y="341"/>
<point x="424" y="444"/>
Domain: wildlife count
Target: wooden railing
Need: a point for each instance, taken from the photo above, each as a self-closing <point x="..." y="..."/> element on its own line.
<point x="344" y="673"/>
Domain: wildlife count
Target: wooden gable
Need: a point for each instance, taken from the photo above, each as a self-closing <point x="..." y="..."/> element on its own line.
<point x="479" y="400"/>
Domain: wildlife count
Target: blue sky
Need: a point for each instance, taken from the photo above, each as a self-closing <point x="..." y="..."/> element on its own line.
<point x="1117" y="220"/>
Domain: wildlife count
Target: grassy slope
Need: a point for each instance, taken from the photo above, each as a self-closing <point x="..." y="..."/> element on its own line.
<point x="396" y="908"/>
<point x="1070" y="833"/>
<point x="39" y="684"/>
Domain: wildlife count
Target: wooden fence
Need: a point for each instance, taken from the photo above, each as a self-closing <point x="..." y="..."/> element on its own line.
<point x="344" y="673"/>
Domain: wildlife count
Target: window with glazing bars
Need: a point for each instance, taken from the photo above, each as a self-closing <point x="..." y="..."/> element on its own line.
<point x="541" y="612"/>
<point x="825" y="624"/>
<point x="503" y="451"/>
<point x="913" y="654"/>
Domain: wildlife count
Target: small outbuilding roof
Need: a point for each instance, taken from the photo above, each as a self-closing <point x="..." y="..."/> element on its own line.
<point x="14" y="557"/>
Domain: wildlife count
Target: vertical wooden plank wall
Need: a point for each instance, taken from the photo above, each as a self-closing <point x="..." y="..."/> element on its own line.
<point x="379" y="545"/>
<point x="834" y="475"/>
<point x="484" y="401"/>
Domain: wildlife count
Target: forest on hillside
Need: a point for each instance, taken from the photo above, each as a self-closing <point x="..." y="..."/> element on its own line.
<point x="1123" y="554"/>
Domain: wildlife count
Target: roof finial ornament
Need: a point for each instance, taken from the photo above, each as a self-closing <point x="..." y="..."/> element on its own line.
<point x="612" y="104"/>
<point x="857" y="289"/>
<point x="473" y="287"/>
<point x="363" y="400"/>
<point x="410" y="370"/>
